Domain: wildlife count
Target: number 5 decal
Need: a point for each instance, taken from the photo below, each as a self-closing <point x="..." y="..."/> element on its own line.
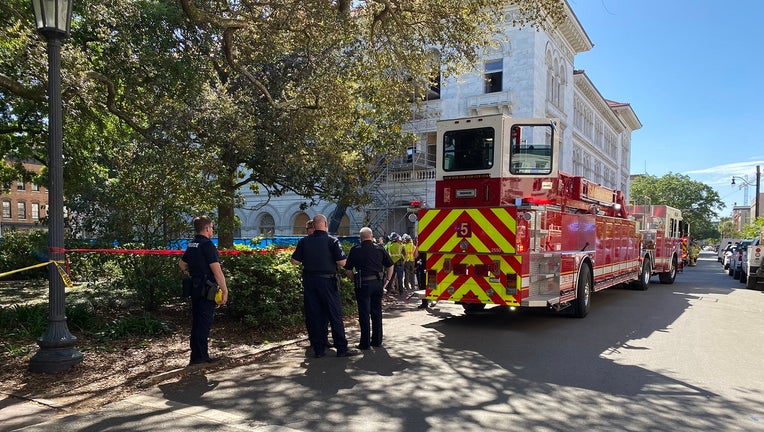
<point x="463" y="229"/>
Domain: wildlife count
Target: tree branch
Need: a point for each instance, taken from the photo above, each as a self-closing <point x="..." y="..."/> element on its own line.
<point x="19" y="90"/>
<point x="111" y="103"/>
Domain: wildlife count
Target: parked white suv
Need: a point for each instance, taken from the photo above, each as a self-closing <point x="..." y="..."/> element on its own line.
<point x="736" y="261"/>
<point x="751" y="262"/>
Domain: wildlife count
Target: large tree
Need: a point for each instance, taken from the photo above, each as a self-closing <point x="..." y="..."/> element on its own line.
<point x="279" y="95"/>
<point x="700" y="204"/>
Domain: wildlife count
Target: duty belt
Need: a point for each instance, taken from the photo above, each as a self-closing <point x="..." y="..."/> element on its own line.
<point x="368" y="278"/>
<point x="322" y="275"/>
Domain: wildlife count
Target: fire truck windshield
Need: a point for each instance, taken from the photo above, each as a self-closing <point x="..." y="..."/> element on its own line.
<point x="530" y="149"/>
<point x="468" y="149"/>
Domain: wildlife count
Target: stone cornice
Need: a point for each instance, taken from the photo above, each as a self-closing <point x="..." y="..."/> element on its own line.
<point x="616" y="120"/>
<point x="573" y="32"/>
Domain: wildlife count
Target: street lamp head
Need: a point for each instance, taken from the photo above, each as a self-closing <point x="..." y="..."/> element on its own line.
<point x="733" y="180"/>
<point x="53" y="17"/>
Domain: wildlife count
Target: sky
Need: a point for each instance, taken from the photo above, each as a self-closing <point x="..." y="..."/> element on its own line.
<point x="693" y="73"/>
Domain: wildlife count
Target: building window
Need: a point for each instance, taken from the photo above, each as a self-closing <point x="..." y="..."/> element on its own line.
<point x="267" y="226"/>
<point x="35" y="211"/>
<point x="300" y="220"/>
<point x="21" y="186"/>
<point x="493" y="75"/>
<point x="432" y="149"/>
<point x="6" y="209"/>
<point x="35" y="187"/>
<point x="410" y="152"/>
<point x="21" y="210"/>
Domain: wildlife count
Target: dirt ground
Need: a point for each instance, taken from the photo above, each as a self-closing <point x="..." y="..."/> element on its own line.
<point x="114" y="371"/>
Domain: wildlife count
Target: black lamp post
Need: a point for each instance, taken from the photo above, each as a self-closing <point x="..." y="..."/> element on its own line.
<point x="57" y="352"/>
<point x="746" y="182"/>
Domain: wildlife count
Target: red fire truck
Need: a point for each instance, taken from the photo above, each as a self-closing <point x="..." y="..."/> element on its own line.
<point x="508" y="228"/>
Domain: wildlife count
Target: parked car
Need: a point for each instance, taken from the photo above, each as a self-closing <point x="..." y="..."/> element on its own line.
<point x="723" y="247"/>
<point x="726" y="255"/>
<point x="736" y="261"/>
<point x="745" y="268"/>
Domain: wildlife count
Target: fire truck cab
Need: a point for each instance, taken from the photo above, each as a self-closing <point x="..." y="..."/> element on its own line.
<point x="508" y="228"/>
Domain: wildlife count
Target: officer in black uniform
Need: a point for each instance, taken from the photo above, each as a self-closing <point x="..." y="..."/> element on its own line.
<point x="319" y="254"/>
<point x="202" y="262"/>
<point x="372" y="264"/>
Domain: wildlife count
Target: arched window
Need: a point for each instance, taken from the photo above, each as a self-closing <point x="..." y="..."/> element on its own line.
<point x="267" y="226"/>
<point x="555" y="83"/>
<point x="300" y="219"/>
<point x="561" y="89"/>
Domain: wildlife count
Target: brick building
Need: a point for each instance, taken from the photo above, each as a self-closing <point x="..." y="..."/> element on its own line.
<point x="23" y="204"/>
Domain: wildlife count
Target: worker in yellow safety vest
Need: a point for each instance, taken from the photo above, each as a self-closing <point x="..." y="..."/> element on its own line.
<point x="397" y="253"/>
<point x="409" y="270"/>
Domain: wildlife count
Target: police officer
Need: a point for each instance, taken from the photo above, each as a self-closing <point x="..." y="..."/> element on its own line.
<point x="368" y="260"/>
<point x="319" y="254"/>
<point x="309" y="228"/>
<point x="202" y="262"/>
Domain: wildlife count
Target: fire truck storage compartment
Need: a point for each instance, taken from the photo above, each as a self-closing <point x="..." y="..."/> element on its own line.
<point x="544" y="275"/>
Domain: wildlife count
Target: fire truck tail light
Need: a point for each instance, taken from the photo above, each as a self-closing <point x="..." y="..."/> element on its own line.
<point x="537" y="201"/>
<point x="511" y="283"/>
<point x="447" y="265"/>
<point x="431" y="279"/>
<point x="482" y="270"/>
<point x="461" y="269"/>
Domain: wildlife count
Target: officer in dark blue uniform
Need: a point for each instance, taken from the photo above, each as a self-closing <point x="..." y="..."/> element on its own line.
<point x="372" y="264"/>
<point x="202" y="262"/>
<point x="319" y="254"/>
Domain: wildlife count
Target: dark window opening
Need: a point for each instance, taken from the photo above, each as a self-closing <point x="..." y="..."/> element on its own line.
<point x="494" y="71"/>
<point x="468" y="149"/>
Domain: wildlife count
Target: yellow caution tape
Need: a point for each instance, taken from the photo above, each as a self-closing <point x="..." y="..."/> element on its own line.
<point x="24" y="269"/>
<point x="65" y="277"/>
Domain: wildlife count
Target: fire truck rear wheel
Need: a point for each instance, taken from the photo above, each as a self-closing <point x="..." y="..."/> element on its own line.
<point x="669" y="276"/>
<point x="644" y="276"/>
<point x="750" y="283"/>
<point x="583" y="292"/>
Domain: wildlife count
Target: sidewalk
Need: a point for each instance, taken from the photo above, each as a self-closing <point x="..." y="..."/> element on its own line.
<point x="24" y="414"/>
<point x="181" y="405"/>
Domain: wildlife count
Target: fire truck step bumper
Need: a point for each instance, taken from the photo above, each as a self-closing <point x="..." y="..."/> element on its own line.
<point x="539" y="301"/>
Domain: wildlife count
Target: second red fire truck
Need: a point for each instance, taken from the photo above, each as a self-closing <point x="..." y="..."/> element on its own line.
<point x="509" y="228"/>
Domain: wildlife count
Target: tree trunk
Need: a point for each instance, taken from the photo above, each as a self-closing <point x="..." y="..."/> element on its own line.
<point x="226" y="215"/>
<point x="336" y="219"/>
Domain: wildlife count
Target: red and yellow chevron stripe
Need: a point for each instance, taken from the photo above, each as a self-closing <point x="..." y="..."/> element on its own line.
<point x="471" y="255"/>
<point x="476" y="230"/>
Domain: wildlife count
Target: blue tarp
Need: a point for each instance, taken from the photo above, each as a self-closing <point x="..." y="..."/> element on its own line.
<point x="281" y="241"/>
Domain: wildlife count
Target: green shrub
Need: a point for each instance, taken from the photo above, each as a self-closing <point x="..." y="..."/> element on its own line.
<point x="141" y="325"/>
<point x="24" y="321"/>
<point x="265" y="289"/>
<point x="19" y="250"/>
<point x="154" y="280"/>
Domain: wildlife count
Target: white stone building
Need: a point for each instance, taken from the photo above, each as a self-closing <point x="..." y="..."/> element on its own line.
<point x="531" y="74"/>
